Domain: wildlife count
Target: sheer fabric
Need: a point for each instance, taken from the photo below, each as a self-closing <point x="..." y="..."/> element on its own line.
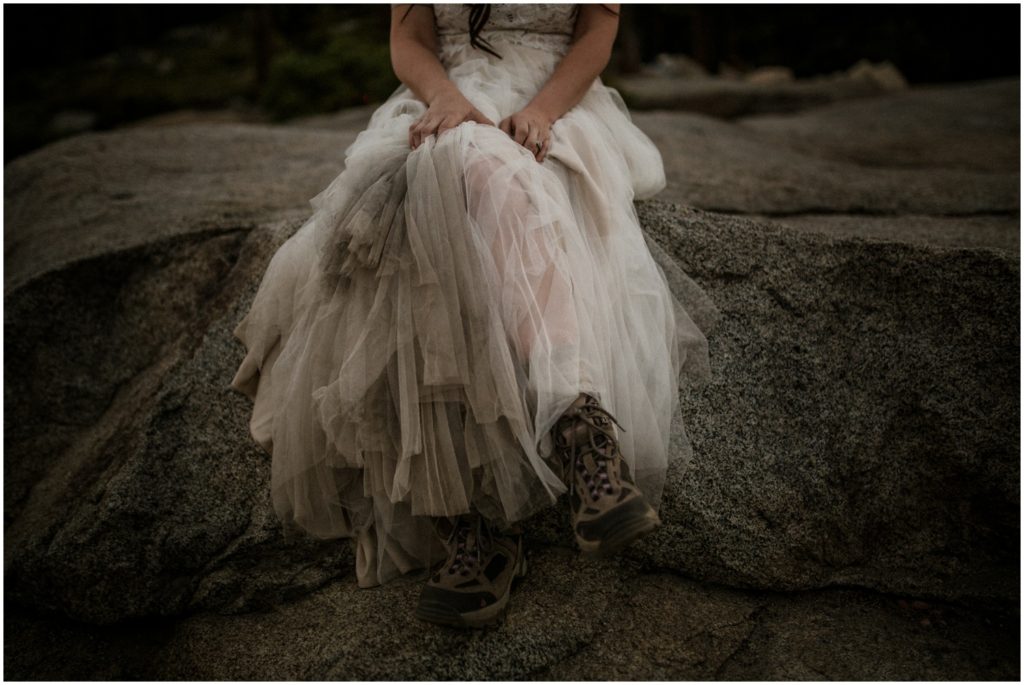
<point x="412" y="344"/>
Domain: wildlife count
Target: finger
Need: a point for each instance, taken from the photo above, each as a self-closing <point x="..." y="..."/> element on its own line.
<point x="522" y="133"/>
<point x="429" y="129"/>
<point x="419" y="134"/>
<point x="506" y="125"/>
<point x="412" y="133"/>
<point x="446" y="125"/>
<point x="421" y="130"/>
<point x="544" y="150"/>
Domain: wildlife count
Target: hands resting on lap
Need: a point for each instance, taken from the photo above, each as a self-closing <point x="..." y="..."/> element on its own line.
<point x="529" y="126"/>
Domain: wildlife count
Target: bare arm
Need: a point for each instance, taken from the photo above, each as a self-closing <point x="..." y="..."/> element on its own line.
<point x="570" y="80"/>
<point x="587" y="57"/>
<point x="414" y="52"/>
<point x="414" y="46"/>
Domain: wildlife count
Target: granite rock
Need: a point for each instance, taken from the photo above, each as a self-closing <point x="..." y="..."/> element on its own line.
<point x="568" y="620"/>
<point x="672" y="84"/>
<point x="861" y="430"/>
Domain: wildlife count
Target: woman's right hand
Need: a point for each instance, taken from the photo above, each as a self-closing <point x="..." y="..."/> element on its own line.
<point x="446" y="110"/>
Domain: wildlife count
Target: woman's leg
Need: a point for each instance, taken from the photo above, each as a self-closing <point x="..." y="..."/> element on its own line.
<point x="534" y="285"/>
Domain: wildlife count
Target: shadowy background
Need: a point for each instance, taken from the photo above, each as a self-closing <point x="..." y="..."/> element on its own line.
<point x="73" y="68"/>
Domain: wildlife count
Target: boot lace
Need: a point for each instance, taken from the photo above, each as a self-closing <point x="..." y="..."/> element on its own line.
<point x="601" y="446"/>
<point x="469" y="541"/>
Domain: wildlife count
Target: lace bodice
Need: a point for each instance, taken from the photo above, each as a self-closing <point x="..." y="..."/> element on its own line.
<point x="545" y="26"/>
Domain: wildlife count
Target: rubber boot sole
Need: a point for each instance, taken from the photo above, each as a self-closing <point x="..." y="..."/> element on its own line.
<point x="620" y="532"/>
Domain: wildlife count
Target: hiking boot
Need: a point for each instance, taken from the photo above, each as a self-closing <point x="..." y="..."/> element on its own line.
<point x="608" y="510"/>
<point x="471" y="588"/>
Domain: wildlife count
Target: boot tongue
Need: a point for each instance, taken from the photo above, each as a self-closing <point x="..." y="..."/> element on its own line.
<point x="479" y="537"/>
<point x="578" y="429"/>
<point x="474" y="524"/>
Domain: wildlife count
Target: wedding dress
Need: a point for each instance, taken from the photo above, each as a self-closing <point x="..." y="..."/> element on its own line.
<point x="412" y="344"/>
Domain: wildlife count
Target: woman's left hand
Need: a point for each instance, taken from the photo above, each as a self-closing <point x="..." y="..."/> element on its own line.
<point x="531" y="128"/>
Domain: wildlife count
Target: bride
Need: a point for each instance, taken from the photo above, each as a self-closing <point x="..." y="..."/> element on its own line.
<point x="471" y="323"/>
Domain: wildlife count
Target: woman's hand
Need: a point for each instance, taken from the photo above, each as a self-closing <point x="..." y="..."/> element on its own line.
<point x="531" y="128"/>
<point x="447" y="110"/>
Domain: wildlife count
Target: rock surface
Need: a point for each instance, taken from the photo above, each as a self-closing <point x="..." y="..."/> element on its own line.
<point x="673" y="84"/>
<point x="938" y="165"/>
<point x="997" y="231"/>
<point x="132" y="488"/>
<point x="570" y="620"/>
<point x="98" y="193"/>
<point x="861" y="431"/>
<point x="865" y="414"/>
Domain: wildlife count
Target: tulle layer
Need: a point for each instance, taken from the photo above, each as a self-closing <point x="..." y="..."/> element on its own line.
<point x="411" y="346"/>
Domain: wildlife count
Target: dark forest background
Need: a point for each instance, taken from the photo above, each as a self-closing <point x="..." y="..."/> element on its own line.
<point x="71" y="68"/>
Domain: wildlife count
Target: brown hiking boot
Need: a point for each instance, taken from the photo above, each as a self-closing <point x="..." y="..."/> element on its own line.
<point x="472" y="587"/>
<point x="608" y="510"/>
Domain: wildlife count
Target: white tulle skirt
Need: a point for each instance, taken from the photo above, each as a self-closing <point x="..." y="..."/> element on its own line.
<point x="411" y="346"/>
